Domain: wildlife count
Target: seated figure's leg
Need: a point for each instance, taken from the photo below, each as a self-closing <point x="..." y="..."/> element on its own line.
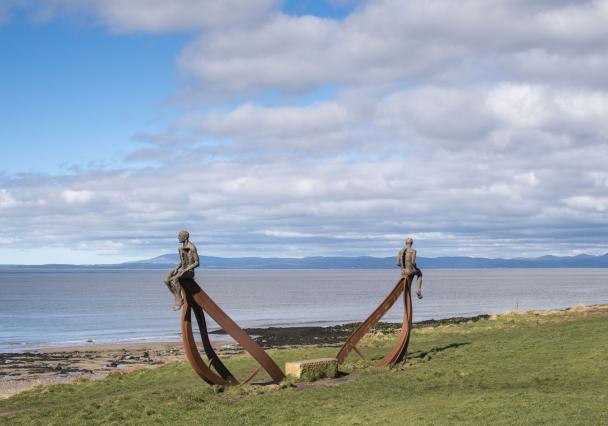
<point x="168" y="279"/>
<point x="418" y="275"/>
<point x="172" y="283"/>
<point x="177" y="291"/>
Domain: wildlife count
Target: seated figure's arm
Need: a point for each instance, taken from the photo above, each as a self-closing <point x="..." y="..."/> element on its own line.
<point x="194" y="257"/>
<point x="413" y="257"/>
<point x="399" y="257"/>
<point x="179" y="265"/>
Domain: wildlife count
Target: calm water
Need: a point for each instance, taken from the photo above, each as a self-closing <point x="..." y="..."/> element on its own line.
<point x="51" y="308"/>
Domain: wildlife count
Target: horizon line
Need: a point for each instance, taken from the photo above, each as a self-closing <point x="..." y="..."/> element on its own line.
<point x="144" y="261"/>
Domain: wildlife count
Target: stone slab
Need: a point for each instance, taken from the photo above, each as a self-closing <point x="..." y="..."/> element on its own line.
<point x="312" y="369"/>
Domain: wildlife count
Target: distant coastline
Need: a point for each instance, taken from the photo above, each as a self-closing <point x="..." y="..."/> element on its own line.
<point x="361" y="262"/>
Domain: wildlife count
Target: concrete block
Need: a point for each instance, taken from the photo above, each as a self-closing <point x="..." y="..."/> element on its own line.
<point x="312" y="369"/>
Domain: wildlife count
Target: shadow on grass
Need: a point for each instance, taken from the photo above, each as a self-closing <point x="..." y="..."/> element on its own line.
<point x="424" y="354"/>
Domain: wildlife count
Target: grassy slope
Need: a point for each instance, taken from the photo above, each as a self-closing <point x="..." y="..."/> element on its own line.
<point x="517" y="369"/>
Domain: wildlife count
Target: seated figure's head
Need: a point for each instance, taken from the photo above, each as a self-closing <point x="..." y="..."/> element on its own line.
<point x="409" y="242"/>
<point x="183" y="236"/>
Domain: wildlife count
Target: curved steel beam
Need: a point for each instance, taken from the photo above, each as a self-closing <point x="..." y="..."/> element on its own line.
<point x="399" y="349"/>
<point x="199" y="301"/>
<point x="214" y="360"/>
<point x="192" y="353"/>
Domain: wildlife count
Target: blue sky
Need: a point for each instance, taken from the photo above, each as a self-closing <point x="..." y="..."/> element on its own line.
<point x="90" y="90"/>
<point x="74" y="94"/>
<point x="302" y="128"/>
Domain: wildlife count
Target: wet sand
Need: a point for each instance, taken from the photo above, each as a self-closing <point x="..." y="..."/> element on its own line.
<point x="21" y="371"/>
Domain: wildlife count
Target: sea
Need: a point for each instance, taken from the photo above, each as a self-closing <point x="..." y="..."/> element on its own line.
<point x="50" y="308"/>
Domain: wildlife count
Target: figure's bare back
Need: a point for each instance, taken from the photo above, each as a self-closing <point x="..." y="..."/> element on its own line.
<point x="410" y="259"/>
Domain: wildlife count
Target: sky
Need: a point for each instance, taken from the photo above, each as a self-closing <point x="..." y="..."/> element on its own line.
<point x="302" y="128"/>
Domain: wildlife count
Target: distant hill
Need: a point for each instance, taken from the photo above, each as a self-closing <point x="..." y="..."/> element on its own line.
<point x="368" y="262"/>
<point x="167" y="261"/>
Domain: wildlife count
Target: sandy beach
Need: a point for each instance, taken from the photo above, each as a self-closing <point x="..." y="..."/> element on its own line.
<point x="45" y="366"/>
<point x="22" y="371"/>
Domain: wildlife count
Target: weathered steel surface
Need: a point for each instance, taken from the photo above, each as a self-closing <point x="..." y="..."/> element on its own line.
<point x="200" y="302"/>
<point x="194" y="357"/>
<point x="399" y="350"/>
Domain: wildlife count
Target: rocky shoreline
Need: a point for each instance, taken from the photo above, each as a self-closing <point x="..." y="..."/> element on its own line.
<point x="21" y="371"/>
<point x="276" y="337"/>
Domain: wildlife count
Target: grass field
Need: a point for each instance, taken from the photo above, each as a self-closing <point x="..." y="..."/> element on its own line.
<point x="541" y="369"/>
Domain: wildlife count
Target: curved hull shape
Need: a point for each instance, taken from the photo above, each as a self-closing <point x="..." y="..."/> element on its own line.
<point x="199" y="302"/>
<point x="399" y="350"/>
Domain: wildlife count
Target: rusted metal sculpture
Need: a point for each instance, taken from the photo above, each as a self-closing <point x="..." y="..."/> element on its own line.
<point x="192" y="298"/>
<point x="199" y="302"/>
<point x="407" y="260"/>
<point x="399" y="350"/>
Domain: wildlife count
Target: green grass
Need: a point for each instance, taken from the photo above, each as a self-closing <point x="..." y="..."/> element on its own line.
<point x="516" y="369"/>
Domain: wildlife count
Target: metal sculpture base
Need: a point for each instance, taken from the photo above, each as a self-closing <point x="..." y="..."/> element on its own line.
<point x="399" y="350"/>
<point x="199" y="302"/>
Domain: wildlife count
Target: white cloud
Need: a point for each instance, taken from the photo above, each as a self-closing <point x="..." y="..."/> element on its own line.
<point x="363" y="206"/>
<point x="479" y="127"/>
<point x="160" y="15"/>
<point x="584" y="68"/>
<point x="157" y="15"/>
<point x="578" y="22"/>
<point x="286" y="52"/>
<point x="73" y="196"/>
<point x="287" y="234"/>
<point x="444" y="113"/>
<point x="527" y="178"/>
<point x="390" y="40"/>
<point x="275" y="122"/>
<point x="519" y="105"/>
<point x="7" y="200"/>
<point x="261" y="131"/>
<point x="587" y="202"/>
<point x="575" y="112"/>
